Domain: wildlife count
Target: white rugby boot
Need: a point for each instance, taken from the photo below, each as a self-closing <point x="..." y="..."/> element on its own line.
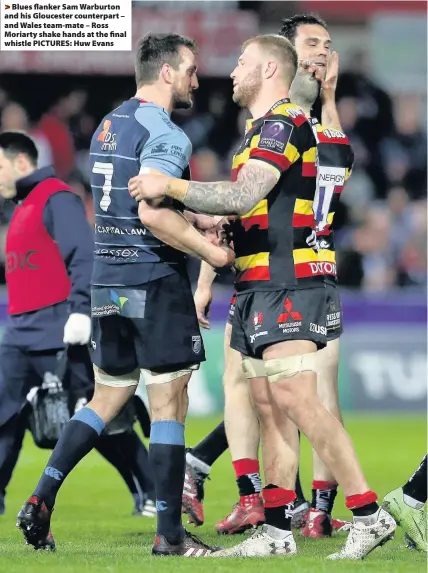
<point x="364" y="537"/>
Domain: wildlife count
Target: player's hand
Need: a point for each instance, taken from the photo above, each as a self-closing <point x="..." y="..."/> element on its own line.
<point x="200" y="221"/>
<point x="150" y="186"/>
<point x="329" y="82"/>
<point x="205" y="224"/>
<point x="203" y="298"/>
<point x="224" y="230"/>
<point x="309" y="67"/>
<point x="77" y="329"/>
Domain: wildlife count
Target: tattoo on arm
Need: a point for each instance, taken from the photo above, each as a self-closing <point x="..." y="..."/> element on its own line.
<point x="226" y="198"/>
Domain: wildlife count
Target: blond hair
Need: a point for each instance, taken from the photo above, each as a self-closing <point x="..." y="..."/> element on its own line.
<point x="280" y="48"/>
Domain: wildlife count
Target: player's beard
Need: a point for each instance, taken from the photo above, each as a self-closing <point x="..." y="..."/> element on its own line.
<point x="249" y="88"/>
<point x="181" y="101"/>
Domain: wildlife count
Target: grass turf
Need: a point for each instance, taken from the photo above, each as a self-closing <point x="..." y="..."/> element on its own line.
<point x="95" y="532"/>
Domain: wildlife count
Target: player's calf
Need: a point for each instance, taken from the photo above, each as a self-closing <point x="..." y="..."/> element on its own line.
<point x="167" y="458"/>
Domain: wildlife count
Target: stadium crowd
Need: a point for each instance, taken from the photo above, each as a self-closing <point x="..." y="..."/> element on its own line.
<point x="380" y="238"/>
<point x="381" y="225"/>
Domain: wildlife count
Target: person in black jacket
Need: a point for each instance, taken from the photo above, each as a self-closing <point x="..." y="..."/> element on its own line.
<point x="49" y="254"/>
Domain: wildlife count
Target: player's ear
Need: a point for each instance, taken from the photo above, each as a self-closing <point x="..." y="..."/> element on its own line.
<point x="269" y="69"/>
<point x="167" y="73"/>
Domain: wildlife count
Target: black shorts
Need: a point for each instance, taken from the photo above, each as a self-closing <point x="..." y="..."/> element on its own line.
<point x="152" y="326"/>
<point x="263" y="318"/>
<point x="333" y="319"/>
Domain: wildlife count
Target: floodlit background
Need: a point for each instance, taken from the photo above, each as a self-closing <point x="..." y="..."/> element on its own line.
<point x="381" y="225"/>
<point x="381" y="229"/>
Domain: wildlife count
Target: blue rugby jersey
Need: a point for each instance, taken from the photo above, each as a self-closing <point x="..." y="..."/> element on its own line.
<point x="136" y="135"/>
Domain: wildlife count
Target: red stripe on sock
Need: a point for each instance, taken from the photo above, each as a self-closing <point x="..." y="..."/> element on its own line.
<point x="325" y="485"/>
<point x="360" y="499"/>
<point x="246" y="466"/>
<point x="278" y="496"/>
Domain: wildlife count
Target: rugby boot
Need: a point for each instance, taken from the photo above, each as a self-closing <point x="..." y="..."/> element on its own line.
<point x="248" y="513"/>
<point x="413" y="521"/>
<point x="318" y="524"/>
<point x="145" y="508"/>
<point x="190" y="546"/>
<point x="340" y="524"/>
<point x="267" y="541"/>
<point x="193" y="495"/>
<point x="362" y="538"/>
<point x="300" y="513"/>
<point x="34" y="521"/>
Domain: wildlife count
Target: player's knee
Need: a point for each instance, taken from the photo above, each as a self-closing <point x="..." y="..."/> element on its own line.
<point x="278" y="369"/>
<point x="179" y="377"/>
<point x="261" y="400"/>
<point x="120" y="381"/>
<point x="234" y="378"/>
<point x="263" y="410"/>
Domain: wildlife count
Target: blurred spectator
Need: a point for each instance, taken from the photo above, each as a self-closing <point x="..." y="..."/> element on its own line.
<point x="404" y="152"/>
<point x="55" y="125"/>
<point x="201" y="128"/>
<point x="15" y="117"/>
<point x="82" y="127"/>
<point x="205" y="166"/>
<point x="374" y="118"/>
<point x="412" y="261"/>
<point x="84" y="192"/>
<point x="374" y="107"/>
<point x="372" y="242"/>
<point x="360" y="190"/>
<point x="401" y="217"/>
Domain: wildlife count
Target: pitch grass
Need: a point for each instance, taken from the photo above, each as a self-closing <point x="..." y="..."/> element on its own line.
<point x="95" y="532"/>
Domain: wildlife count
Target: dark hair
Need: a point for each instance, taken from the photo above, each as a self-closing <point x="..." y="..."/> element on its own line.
<point x="290" y="25"/>
<point x="15" y="142"/>
<point x="155" y="50"/>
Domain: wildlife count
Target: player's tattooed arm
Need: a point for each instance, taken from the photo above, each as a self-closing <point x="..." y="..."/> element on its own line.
<point x="255" y="180"/>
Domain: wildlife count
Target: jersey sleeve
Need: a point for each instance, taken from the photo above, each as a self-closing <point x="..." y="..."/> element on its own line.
<point x="276" y="144"/>
<point x="167" y="148"/>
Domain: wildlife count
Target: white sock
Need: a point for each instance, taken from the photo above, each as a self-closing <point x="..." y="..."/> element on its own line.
<point x="276" y="533"/>
<point x="411" y="502"/>
<point x="197" y="464"/>
<point x="367" y="519"/>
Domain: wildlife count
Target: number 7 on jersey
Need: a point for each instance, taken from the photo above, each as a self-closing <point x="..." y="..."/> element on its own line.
<point x="105" y="169"/>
